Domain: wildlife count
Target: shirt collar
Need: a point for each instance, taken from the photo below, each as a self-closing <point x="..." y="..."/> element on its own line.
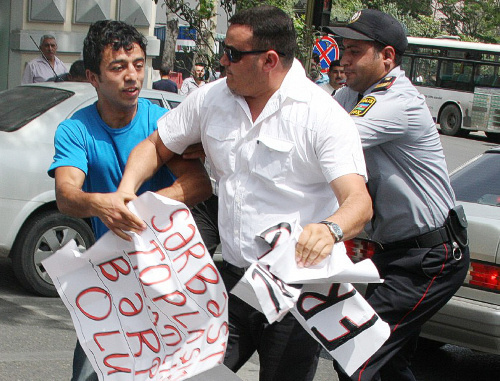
<point x="293" y="84"/>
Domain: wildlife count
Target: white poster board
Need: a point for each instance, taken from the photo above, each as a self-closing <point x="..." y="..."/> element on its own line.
<point x="151" y="309"/>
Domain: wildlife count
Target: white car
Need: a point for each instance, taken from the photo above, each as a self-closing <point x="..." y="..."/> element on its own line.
<point x="472" y="316"/>
<point x="31" y="227"/>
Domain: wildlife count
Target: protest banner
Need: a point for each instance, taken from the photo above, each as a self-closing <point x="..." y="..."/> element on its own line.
<point x="320" y="298"/>
<point x="151" y="309"/>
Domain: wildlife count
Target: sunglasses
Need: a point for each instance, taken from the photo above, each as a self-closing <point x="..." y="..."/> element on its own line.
<point x="234" y="55"/>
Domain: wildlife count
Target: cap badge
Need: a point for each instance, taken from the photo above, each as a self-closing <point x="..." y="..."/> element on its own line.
<point x="355" y="17"/>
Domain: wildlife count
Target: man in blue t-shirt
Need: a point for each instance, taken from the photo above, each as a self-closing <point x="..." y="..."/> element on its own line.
<point x="91" y="148"/>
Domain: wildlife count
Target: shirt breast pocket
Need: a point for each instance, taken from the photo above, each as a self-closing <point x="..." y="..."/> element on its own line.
<point x="272" y="159"/>
<point x="220" y="148"/>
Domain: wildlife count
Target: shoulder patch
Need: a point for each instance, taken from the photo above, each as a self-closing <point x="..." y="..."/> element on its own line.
<point x="363" y="106"/>
<point x="384" y="84"/>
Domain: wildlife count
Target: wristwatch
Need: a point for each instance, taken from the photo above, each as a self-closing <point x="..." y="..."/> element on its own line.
<point x="335" y="229"/>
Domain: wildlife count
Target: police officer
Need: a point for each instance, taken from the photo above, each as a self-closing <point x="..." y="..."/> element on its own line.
<point x="423" y="254"/>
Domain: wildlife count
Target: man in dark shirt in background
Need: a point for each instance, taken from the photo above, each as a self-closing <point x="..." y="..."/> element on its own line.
<point x="165" y="83"/>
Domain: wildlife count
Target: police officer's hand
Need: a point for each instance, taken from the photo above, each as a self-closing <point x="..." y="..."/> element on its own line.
<point x="112" y="210"/>
<point x="314" y="245"/>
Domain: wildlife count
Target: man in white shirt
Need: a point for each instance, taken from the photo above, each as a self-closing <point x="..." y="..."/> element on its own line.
<point x="47" y="67"/>
<point x="195" y="81"/>
<point x="280" y="149"/>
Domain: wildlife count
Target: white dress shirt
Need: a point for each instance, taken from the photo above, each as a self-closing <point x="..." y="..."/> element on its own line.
<point x="275" y="169"/>
<point x="189" y="85"/>
<point x="39" y="70"/>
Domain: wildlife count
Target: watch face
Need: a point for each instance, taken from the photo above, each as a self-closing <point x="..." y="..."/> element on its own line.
<point x="338" y="231"/>
<point x="335" y="230"/>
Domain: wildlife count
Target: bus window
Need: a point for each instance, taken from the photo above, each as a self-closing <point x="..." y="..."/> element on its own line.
<point x="456" y="75"/>
<point x="485" y="75"/>
<point x="425" y="71"/>
<point x="406" y="65"/>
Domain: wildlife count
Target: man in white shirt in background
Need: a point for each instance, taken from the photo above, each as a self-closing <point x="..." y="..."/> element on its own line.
<point x="194" y="82"/>
<point x="336" y="77"/>
<point x="47" y="67"/>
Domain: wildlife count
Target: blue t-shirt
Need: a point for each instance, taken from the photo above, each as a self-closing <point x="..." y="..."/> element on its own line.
<point x="84" y="141"/>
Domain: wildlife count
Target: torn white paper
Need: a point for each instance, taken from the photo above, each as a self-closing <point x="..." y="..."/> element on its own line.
<point x="326" y="304"/>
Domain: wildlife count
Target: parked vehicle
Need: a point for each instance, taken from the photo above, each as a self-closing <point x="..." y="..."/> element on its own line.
<point x="472" y="317"/>
<point x="31" y="227"/>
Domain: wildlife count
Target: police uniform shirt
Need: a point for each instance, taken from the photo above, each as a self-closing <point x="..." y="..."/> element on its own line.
<point x="408" y="176"/>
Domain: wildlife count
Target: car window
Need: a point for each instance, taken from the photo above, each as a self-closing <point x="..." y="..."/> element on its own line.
<point x="156" y="101"/>
<point x="170" y="105"/>
<point x="477" y="182"/>
<point x="22" y="104"/>
<point x="174" y="104"/>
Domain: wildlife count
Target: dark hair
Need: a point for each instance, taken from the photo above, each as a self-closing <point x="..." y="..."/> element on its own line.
<point x="108" y="32"/>
<point x="272" y="29"/>
<point x="77" y="71"/>
<point x="398" y="58"/>
<point x="164" y="69"/>
<point x="333" y="64"/>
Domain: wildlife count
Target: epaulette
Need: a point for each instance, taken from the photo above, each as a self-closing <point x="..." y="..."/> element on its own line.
<point x="384" y="84"/>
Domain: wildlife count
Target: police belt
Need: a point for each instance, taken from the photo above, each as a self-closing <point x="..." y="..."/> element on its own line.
<point x="426" y="240"/>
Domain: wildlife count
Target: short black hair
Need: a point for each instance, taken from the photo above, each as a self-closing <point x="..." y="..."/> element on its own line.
<point x="398" y="57"/>
<point x="335" y="63"/>
<point x="109" y="32"/>
<point x="272" y="29"/>
<point x="77" y="71"/>
<point x="164" y="69"/>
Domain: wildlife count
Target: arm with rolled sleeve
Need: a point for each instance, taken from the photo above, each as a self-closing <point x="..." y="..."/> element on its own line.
<point x="341" y="158"/>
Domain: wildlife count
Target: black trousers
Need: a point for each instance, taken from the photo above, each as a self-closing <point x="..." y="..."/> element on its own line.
<point x="205" y="214"/>
<point x="418" y="282"/>
<point x="286" y="351"/>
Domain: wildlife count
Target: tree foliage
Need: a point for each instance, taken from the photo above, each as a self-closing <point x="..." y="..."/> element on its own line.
<point x="202" y="18"/>
<point x="472" y="20"/>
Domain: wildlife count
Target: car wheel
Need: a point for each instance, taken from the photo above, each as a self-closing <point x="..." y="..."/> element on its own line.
<point x="38" y="239"/>
<point x="450" y="121"/>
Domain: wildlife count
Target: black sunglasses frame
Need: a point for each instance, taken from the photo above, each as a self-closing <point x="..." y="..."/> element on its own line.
<point x="234" y="55"/>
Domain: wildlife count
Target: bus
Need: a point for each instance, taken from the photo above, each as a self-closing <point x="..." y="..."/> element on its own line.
<point x="460" y="81"/>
